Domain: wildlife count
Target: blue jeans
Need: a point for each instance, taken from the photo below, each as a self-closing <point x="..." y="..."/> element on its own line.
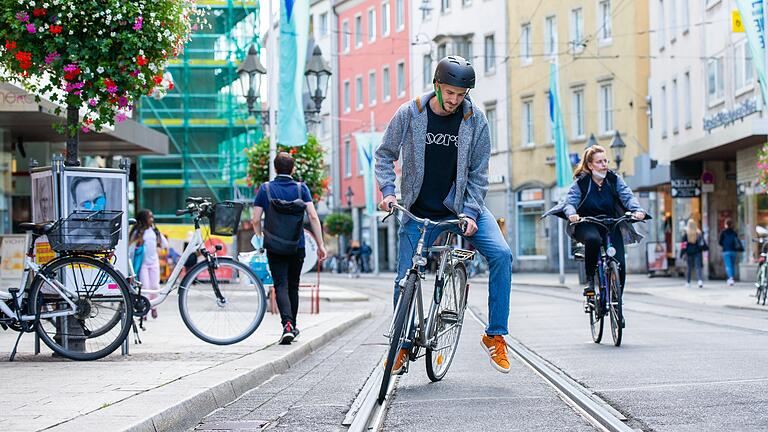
<point x="489" y="241"/>
<point x="729" y="258"/>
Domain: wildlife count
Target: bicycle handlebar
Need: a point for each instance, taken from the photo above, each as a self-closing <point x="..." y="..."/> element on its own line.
<point x="460" y="222"/>
<point x="606" y="222"/>
<point x="195" y="206"/>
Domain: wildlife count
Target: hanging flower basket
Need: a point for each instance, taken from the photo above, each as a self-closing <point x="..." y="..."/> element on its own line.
<point x="762" y="167"/>
<point x="97" y="55"/>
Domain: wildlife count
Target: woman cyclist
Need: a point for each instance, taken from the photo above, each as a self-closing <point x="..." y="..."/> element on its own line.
<point x="598" y="191"/>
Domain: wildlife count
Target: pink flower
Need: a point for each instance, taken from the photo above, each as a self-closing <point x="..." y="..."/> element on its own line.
<point x="22" y="16"/>
<point x="52" y="57"/>
<point x="31" y="28"/>
<point x="85" y="129"/>
<point x="122" y="101"/>
<point x="92" y="102"/>
<point x="138" y="23"/>
<point x="121" y="117"/>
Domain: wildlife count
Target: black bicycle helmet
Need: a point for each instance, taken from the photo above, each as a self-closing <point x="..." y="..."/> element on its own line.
<point x="455" y="71"/>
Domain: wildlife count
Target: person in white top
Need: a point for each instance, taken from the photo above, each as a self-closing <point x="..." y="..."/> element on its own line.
<point x="145" y="234"/>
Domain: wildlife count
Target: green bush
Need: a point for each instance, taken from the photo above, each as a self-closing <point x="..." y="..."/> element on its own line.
<point x="338" y="224"/>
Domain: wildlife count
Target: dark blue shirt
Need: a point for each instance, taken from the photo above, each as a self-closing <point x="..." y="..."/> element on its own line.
<point x="599" y="201"/>
<point x="282" y="187"/>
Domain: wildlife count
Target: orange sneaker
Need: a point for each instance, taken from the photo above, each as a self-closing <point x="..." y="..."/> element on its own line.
<point x="497" y="350"/>
<point x="399" y="361"/>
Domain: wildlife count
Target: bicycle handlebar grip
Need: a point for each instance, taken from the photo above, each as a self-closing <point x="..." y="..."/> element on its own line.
<point x="181" y="212"/>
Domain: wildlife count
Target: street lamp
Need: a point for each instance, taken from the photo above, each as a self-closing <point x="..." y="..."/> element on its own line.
<point x="317" y="74"/>
<point x="592" y="141"/>
<point x="349" y="194"/>
<point x="249" y="71"/>
<point x="618" y="146"/>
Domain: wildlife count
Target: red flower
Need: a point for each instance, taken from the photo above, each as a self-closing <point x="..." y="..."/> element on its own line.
<point x="38" y="12"/>
<point x="23" y="56"/>
<point x="10" y="45"/>
<point x="72" y="74"/>
<point x="141" y="61"/>
<point x="157" y="79"/>
<point x="170" y="86"/>
<point x="293" y="151"/>
<point x="56" y="29"/>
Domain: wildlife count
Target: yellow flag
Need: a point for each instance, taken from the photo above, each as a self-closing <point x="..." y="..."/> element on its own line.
<point x="737" y="26"/>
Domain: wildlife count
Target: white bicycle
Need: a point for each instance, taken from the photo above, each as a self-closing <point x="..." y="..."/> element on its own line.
<point x="221" y="300"/>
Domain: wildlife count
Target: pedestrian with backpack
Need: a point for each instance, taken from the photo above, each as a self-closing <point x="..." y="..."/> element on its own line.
<point x="283" y="203"/>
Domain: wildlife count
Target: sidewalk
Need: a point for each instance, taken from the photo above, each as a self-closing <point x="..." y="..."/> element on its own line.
<point x="169" y="382"/>
<point x="714" y="292"/>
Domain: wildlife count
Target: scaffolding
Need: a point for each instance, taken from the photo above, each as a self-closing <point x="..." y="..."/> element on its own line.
<point x="204" y="116"/>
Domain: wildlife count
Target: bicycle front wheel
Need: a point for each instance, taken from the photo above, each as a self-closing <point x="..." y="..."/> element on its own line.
<point x="101" y="316"/>
<point x="614" y="303"/>
<point x="446" y="322"/>
<point x="398" y="331"/>
<point x="761" y="282"/>
<point x="222" y="305"/>
<point x="596" y="312"/>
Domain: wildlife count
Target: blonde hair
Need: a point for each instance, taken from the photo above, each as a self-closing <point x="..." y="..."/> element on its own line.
<point x="586" y="159"/>
<point x="692" y="231"/>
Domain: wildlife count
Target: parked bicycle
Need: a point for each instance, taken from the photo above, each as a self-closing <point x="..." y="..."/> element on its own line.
<point x="608" y="290"/>
<point x="438" y="333"/>
<point x="77" y="303"/>
<point x="762" y="270"/>
<point x="221" y="300"/>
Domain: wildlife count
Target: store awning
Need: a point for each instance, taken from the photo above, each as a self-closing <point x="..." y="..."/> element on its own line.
<point x="723" y="143"/>
<point x="33" y="121"/>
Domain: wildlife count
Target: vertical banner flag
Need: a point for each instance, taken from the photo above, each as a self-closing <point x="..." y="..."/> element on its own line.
<point x="294" y="34"/>
<point x="367" y="143"/>
<point x="754" y="26"/>
<point x="562" y="161"/>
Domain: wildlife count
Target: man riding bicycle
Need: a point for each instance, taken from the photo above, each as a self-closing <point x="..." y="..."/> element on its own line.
<point x="445" y="143"/>
<point x="598" y="191"/>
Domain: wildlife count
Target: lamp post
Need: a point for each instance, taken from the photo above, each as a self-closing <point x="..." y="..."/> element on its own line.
<point x="317" y="74"/>
<point x="349" y="194"/>
<point x="592" y="141"/>
<point x="618" y="147"/>
<point x="248" y="73"/>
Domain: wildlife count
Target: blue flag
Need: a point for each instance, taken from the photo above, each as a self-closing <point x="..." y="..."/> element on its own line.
<point x="367" y="143"/>
<point x="294" y="34"/>
<point x="563" y="169"/>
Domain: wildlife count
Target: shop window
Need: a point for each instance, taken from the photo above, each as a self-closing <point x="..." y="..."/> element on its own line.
<point x="531" y="235"/>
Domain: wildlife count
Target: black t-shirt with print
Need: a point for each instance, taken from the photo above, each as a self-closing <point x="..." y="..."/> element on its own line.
<point x="439" y="165"/>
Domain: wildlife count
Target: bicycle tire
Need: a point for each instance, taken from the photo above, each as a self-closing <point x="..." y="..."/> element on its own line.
<point x="614" y="303"/>
<point x="397" y="333"/>
<point x="196" y="286"/>
<point x="437" y="362"/>
<point x="596" y="314"/>
<point x="91" y="304"/>
<point x="761" y="286"/>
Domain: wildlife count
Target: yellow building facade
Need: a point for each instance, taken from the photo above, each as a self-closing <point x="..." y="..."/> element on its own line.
<point x="601" y="51"/>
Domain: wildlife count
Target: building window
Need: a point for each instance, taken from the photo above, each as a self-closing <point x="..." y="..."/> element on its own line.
<point x="715" y="81"/>
<point x="577" y="31"/>
<point x="686" y="20"/>
<point x="527" y="123"/>
<point x="400" y="79"/>
<point x="604" y="12"/>
<point x="358" y="31"/>
<point x="463" y="47"/>
<point x="359" y="92"/>
<point x="490" y="54"/>
<point x="371" y="88"/>
<point x="550" y="36"/>
<point x="490" y="114"/>
<point x="606" y="109"/>
<point x="427" y="70"/>
<point x="442" y="51"/>
<point x="399" y="14"/>
<point x="386" y="85"/>
<point x="346" y="97"/>
<point x="371" y="25"/>
<point x="525" y="43"/>
<point x="345" y="36"/>
<point x="578" y="113"/>
<point x="324" y="24"/>
<point x="385" y="19"/>
<point x="675" y="110"/>
<point x="347" y="159"/>
<point x="687" y="97"/>
<point x="662" y="30"/>
<point x="445" y="6"/>
<point x="742" y="67"/>
<point x="531" y="232"/>
<point x="663" y="111"/>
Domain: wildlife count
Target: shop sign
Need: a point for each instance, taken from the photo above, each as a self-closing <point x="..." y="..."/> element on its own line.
<point x="686" y="179"/>
<point x="726" y="117"/>
<point x="686" y="188"/>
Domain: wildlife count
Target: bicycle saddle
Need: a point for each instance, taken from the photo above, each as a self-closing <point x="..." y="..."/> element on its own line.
<point x="36" y="228"/>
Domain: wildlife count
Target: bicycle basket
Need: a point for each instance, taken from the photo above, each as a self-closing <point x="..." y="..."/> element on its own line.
<point x="225" y="218"/>
<point x="86" y="231"/>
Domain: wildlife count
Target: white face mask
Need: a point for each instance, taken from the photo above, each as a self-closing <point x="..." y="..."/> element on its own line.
<point x="599" y="175"/>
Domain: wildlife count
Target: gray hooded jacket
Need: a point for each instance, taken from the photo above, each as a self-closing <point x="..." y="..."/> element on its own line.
<point x="407" y="133"/>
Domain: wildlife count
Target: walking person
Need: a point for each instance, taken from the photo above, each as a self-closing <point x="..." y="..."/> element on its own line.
<point x="693" y="248"/>
<point x="283" y="202"/>
<point x="731" y="244"/>
<point x="145" y="240"/>
<point x="444" y="141"/>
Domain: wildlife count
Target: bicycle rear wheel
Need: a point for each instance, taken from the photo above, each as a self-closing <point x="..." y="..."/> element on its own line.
<point x="596" y="312"/>
<point x="398" y="332"/>
<point x="446" y="322"/>
<point x="224" y="305"/>
<point x="614" y="303"/>
<point x="101" y="318"/>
